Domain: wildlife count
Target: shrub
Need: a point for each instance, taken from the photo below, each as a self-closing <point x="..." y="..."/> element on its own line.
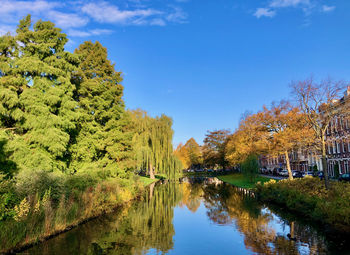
<point x="308" y="197"/>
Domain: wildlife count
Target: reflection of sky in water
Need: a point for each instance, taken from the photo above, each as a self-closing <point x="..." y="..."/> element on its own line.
<point x="276" y="223"/>
<point x="200" y="227"/>
<point x="303" y="248"/>
<point x="208" y="237"/>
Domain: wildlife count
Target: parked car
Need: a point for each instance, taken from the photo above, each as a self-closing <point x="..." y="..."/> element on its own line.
<point x="344" y="177"/>
<point x="297" y="174"/>
<point x="309" y="173"/>
<point x="264" y="170"/>
<point x="283" y="173"/>
<point x="210" y="171"/>
<point x="199" y="170"/>
<point x="316" y="173"/>
<point x="321" y="175"/>
<point x="276" y="171"/>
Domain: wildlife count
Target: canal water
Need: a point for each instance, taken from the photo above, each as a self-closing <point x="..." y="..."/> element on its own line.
<point x="195" y="216"/>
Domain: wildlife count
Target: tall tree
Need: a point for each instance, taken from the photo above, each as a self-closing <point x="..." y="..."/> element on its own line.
<point x="36" y="91"/>
<point x="190" y="153"/>
<point x="214" y="148"/>
<point x="320" y="102"/>
<point x="102" y="137"/>
<point x="288" y="130"/>
<point x="183" y="155"/>
<point x="152" y="144"/>
<point x="251" y="137"/>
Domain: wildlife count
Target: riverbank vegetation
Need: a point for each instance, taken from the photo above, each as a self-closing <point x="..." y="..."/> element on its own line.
<point x="241" y="181"/>
<point x="69" y="149"/>
<point x="309" y="198"/>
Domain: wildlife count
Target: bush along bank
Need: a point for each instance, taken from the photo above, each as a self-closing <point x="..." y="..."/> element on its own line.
<point x="309" y="198"/>
<point x="44" y="204"/>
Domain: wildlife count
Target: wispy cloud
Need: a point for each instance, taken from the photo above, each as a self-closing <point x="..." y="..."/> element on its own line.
<point x="92" y="32"/>
<point x="326" y="8"/>
<point x="108" y="13"/>
<point x="67" y="20"/>
<point x="307" y="6"/>
<point x="288" y="3"/>
<point x="4" y="29"/>
<point x="264" y="12"/>
<point x="76" y="16"/>
<point x="177" y="16"/>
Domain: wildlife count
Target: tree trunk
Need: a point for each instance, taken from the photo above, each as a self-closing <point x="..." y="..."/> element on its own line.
<point x="290" y="174"/>
<point x="324" y="163"/>
<point x="151" y="188"/>
<point x="292" y="229"/>
<point x="151" y="172"/>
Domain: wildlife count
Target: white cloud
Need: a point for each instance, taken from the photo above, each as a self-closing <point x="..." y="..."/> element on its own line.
<point x="288" y="3"/>
<point x="26" y="6"/>
<point x="307" y="6"/>
<point x="264" y="12"/>
<point x="92" y="32"/>
<point x="326" y="8"/>
<point x="4" y="29"/>
<point x="75" y="16"/>
<point x="107" y="13"/>
<point x="67" y="20"/>
<point x="158" y="22"/>
<point x="177" y="16"/>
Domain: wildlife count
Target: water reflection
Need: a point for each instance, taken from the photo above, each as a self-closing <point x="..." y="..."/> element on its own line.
<point x="156" y="224"/>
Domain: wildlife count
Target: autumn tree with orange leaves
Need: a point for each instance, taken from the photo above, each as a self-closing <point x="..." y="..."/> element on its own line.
<point x="190" y="154"/>
<point x="251" y="137"/>
<point x="287" y="129"/>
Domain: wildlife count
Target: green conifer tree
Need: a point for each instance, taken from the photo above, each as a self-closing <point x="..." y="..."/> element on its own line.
<point x="102" y="141"/>
<point x="36" y="98"/>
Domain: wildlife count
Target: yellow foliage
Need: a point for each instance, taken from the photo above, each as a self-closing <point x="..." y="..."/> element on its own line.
<point x="22" y="210"/>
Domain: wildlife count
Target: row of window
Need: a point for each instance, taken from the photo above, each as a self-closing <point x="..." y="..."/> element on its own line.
<point x="336" y="147"/>
<point x="338" y="123"/>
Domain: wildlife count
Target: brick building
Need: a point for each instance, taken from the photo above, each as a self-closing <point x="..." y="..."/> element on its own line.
<point x="338" y="142"/>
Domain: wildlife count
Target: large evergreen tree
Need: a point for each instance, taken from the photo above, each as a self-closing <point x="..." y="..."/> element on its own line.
<point x="102" y="135"/>
<point x="37" y="109"/>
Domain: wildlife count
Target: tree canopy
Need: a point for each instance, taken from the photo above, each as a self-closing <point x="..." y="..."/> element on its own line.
<point x="62" y="111"/>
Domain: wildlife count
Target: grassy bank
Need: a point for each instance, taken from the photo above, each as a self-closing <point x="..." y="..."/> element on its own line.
<point x="239" y="180"/>
<point x="51" y="209"/>
<point x="309" y="198"/>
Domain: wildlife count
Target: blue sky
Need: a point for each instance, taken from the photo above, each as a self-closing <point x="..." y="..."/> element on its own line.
<point x="204" y="62"/>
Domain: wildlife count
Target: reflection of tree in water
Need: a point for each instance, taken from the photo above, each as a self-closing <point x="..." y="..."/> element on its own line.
<point x="228" y="206"/>
<point x="146" y="224"/>
<point x="191" y="196"/>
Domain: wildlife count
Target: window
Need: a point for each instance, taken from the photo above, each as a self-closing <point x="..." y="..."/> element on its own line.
<point x="344" y="146"/>
<point x="338" y="147"/>
<point x="334" y="147"/>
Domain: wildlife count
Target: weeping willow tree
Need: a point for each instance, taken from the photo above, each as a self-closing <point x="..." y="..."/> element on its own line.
<point x="152" y="143"/>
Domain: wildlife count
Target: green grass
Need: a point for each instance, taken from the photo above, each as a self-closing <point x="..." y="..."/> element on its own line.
<point x="147" y="181"/>
<point x="241" y="181"/>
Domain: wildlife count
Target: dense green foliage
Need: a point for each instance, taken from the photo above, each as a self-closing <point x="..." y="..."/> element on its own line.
<point x="152" y="144"/>
<point x="309" y="197"/>
<point x="250" y="168"/>
<point x="214" y="148"/>
<point x="68" y="148"/>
